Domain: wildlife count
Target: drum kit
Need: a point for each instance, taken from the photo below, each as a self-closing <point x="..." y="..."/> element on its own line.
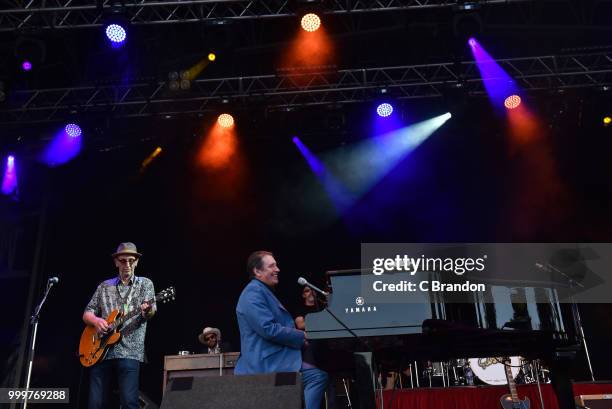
<point x="475" y="371"/>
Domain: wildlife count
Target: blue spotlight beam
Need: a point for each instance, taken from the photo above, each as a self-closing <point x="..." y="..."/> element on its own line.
<point x="349" y="172"/>
<point x="361" y="167"/>
<point x="65" y="146"/>
<point x="340" y="197"/>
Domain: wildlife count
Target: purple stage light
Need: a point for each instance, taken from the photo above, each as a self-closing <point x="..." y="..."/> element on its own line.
<point x="9" y="180"/>
<point x="497" y="82"/>
<point x="115" y="33"/>
<point x="26" y="65"/>
<point x="73" y="130"/>
<point x="384" y="110"/>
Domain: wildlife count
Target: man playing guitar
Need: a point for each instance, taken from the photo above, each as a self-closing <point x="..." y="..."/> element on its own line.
<point x="125" y="293"/>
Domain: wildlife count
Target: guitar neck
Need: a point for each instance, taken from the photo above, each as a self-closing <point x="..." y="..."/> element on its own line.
<point x="511" y="383"/>
<point x="119" y="321"/>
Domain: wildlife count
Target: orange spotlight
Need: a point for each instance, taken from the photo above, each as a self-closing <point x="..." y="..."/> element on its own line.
<point x="225" y="120"/>
<point x="311" y="22"/>
<point x="607" y="120"/>
<point x="308" y="49"/>
<point x="512" y="102"/>
<point x="219" y="147"/>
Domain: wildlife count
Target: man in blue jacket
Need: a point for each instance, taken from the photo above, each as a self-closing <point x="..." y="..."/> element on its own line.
<point x="269" y="341"/>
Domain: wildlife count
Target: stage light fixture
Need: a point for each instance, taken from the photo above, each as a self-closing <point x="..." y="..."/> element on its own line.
<point x="384" y="110"/>
<point x="512" y="102"/>
<point x="225" y="120"/>
<point x="212" y="57"/>
<point x="607" y="120"/>
<point x="116" y="34"/>
<point x="73" y="130"/>
<point x="467" y="6"/>
<point x="30" y="52"/>
<point x="150" y="158"/>
<point x="26" y="65"/>
<point x="310" y="22"/>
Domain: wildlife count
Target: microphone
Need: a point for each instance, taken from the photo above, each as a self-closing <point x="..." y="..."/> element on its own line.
<point x="302" y="281"/>
<point x="544" y="267"/>
<point x="53" y="280"/>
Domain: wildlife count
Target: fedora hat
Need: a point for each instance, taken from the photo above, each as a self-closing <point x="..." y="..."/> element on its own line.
<point x="209" y="330"/>
<point x="126" y="248"/>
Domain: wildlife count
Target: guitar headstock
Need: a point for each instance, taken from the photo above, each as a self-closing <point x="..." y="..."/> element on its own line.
<point x="166" y="295"/>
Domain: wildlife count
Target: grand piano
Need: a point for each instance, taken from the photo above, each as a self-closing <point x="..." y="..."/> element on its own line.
<point x="393" y="329"/>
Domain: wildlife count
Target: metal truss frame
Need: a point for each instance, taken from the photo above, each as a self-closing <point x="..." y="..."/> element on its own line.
<point x="298" y="89"/>
<point x="63" y="14"/>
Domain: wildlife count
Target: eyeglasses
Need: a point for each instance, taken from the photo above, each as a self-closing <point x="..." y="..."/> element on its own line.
<point x="131" y="261"/>
<point x="209" y="337"/>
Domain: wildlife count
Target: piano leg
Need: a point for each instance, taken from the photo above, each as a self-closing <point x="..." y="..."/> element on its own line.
<point x="365" y="379"/>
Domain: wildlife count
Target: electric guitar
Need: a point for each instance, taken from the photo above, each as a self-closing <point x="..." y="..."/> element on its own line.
<point x="512" y="401"/>
<point x="94" y="346"/>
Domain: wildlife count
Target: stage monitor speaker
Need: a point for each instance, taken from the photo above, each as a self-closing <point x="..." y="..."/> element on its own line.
<point x="595" y="401"/>
<point x="281" y="390"/>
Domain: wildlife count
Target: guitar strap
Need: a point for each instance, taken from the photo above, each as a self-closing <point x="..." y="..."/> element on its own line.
<point x="124" y="302"/>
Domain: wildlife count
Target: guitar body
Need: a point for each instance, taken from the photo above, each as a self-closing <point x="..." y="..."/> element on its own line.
<point x="92" y="346"/>
<point x="508" y="403"/>
<point x="511" y="400"/>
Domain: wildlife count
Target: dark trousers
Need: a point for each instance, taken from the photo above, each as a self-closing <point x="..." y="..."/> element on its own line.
<point x="127" y="372"/>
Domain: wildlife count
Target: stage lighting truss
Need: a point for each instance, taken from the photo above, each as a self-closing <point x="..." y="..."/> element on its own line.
<point x="59" y="14"/>
<point x="284" y="91"/>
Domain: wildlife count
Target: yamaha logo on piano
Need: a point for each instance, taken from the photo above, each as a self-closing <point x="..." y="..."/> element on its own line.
<point x="360" y="307"/>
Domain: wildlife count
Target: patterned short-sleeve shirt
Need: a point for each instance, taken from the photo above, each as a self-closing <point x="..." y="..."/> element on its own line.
<point x="111" y="295"/>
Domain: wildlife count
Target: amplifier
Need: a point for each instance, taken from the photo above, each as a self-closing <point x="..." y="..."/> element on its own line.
<point x="602" y="401"/>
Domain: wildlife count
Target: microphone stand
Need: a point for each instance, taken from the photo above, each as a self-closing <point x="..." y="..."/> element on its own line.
<point x="34" y="323"/>
<point x="364" y="344"/>
<point x="359" y="339"/>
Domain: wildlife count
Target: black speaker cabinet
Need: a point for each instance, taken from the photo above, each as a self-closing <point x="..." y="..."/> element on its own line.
<point x="267" y="391"/>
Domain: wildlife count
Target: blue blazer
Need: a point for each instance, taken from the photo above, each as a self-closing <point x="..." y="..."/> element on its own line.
<point x="269" y="341"/>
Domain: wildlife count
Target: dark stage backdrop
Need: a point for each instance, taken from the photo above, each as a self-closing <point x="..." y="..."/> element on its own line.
<point x="196" y="227"/>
